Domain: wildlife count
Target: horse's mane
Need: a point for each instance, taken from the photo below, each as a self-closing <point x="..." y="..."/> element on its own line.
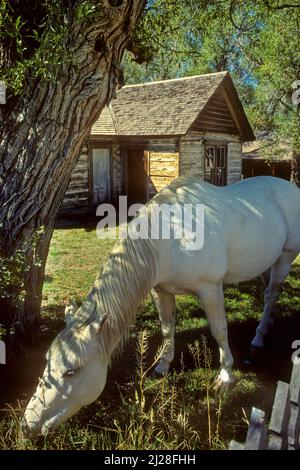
<point x="127" y="277"/>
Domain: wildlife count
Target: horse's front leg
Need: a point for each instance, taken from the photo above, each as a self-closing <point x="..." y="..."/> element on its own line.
<point x="212" y="298"/>
<point x="165" y="304"/>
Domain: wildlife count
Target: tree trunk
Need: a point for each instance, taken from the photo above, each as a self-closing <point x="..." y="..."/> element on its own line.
<point x="41" y="137"/>
<point x="20" y="313"/>
<point x="295" y="168"/>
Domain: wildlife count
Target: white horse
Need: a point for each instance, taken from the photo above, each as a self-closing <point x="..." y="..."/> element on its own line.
<point x="249" y="227"/>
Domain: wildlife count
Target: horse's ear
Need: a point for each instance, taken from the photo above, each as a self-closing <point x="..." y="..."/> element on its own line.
<point x="70" y="309"/>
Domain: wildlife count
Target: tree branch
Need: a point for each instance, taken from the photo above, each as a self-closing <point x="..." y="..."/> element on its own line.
<point x="280" y="7"/>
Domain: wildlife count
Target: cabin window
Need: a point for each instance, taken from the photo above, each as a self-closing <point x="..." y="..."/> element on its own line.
<point x="215" y="165"/>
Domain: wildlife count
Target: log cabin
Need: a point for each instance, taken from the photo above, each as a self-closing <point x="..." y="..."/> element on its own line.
<point x="154" y="132"/>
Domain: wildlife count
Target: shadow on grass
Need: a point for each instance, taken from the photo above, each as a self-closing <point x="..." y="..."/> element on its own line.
<point x="88" y="222"/>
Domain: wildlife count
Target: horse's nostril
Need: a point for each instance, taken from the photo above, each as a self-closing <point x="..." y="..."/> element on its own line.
<point x="29" y="428"/>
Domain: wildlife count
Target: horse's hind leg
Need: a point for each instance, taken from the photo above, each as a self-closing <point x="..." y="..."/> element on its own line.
<point x="212" y="298"/>
<point x="165" y="304"/>
<point x="279" y="272"/>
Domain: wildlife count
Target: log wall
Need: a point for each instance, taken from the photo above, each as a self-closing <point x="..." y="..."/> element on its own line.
<point x="163" y="168"/>
<point x="192" y="148"/>
<point x="162" y="165"/>
<point x="191" y="151"/>
<point x="166" y="160"/>
<point x="117" y="171"/>
<point x="77" y="195"/>
<point x="234" y="170"/>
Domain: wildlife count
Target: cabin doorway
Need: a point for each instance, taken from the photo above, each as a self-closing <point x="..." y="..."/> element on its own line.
<point x="101" y="175"/>
<point x="136" y="176"/>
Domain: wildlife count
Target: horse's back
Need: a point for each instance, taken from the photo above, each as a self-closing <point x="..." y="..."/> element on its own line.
<point x="287" y="197"/>
<point x="259" y="188"/>
<point x="247" y="225"/>
<point x="264" y="192"/>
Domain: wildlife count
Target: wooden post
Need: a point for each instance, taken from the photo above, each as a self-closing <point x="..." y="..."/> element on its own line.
<point x="280" y="417"/>
<point x="257" y="434"/>
<point x="295" y="384"/>
<point x="294" y="422"/>
<point x="284" y="425"/>
<point x="234" y="445"/>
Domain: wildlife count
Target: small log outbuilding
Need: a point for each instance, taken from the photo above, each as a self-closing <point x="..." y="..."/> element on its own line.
<point x="266" y="156"/>
<point x="154" y="132"/>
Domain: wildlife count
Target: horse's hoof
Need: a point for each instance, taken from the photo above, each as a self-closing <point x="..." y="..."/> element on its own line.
<point x="157" y="374"/>
<point x="223" y="381"/>
<point x="161" y="370"/>
<point x="220" y="385"/>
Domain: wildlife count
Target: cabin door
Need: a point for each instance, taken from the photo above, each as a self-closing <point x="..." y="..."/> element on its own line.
<point x="101" y="175"/>
<point x="136" y="176"/>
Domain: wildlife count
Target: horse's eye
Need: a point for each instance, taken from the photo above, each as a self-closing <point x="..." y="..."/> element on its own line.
<point x="69" y="373"/>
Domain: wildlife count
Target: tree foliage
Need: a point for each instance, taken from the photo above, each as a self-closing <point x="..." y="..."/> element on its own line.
<point x="36" y="36"/>
<point x="257" y="41"/>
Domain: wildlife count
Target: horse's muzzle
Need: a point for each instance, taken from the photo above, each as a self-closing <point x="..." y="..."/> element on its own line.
<point x="30" y="429"/>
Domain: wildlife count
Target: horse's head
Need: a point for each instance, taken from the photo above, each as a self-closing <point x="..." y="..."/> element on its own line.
<point x="74" y="376"/>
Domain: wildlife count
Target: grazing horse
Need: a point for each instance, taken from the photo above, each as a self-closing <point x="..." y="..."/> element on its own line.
<point x="249" y="227"/>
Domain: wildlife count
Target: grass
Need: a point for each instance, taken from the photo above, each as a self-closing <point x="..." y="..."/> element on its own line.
<point x="180" y="411"/>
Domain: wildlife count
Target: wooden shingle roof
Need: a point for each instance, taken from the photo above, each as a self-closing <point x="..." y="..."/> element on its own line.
<point x="105" y="125"/>
<point x="169" y="107"/>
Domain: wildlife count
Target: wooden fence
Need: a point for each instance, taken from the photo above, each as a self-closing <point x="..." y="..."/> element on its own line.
<point x="283" y="431"/>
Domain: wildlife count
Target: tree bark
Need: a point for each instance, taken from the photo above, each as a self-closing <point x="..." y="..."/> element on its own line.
<point x="41" y="137"/>
<point x="295" y="164"/>
<point x="295" y="168"/>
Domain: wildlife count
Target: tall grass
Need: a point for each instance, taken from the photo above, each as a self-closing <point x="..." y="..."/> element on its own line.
<point x="151" y="413"/>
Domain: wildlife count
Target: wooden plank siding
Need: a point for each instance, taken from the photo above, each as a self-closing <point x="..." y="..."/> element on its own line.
<point x="216" y="115"/>
<point x="163" y="145"/>
<point x="77" y="194"/>
<point x="234" y="162"/>
<point x="165" y="161"/>
<point x="163" y="168"/>
<point x="191" y="149"/>
<point x="117" y="164"/>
